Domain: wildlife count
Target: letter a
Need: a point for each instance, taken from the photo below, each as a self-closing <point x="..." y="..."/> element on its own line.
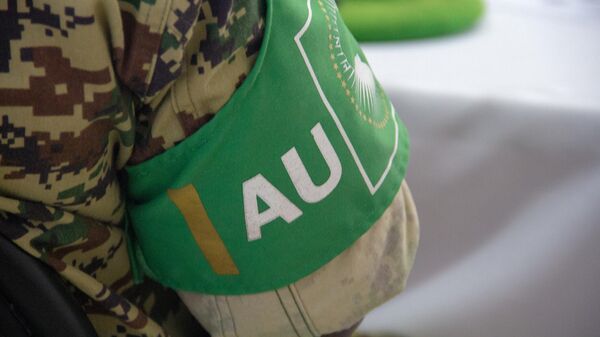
<point x="307" y="190"/>
<point x="279" y="205"/>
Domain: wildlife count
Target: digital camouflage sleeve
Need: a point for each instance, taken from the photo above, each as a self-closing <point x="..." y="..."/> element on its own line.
<point x="85" y="87"/>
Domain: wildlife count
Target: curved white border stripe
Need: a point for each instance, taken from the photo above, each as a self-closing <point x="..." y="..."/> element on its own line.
<point x="372" y="188"/>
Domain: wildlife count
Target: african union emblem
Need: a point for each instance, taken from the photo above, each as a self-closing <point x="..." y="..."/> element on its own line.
<point x="353" y="72"/>
<point x="347" y="72"/>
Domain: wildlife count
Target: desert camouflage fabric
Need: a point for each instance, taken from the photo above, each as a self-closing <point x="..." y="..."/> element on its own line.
<point x="87" y="87"/>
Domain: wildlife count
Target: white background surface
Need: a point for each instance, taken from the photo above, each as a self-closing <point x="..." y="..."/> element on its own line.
<point x="505" y="171"/>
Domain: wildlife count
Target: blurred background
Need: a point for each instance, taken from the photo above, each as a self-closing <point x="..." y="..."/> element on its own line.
<point x="502" y="102"/>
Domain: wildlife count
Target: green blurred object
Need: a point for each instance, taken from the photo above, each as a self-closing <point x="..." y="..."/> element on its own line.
<point x="379" y="20"/>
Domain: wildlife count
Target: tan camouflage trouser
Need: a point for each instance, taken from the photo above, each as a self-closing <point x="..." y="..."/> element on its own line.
<point x="87" y="87"/>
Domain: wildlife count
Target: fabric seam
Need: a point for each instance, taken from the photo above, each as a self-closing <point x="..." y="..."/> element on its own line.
<point x="305" y="315"/>
<point x="167" y="7"/>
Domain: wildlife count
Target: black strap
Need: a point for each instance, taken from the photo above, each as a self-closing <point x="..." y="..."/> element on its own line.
<point x="34" y="299"/>
<point x="11" y="323"/>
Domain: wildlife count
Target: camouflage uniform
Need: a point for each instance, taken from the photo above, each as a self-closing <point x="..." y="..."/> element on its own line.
<point x="87" y="87"/>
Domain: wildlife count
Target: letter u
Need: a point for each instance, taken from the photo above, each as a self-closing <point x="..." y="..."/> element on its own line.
<point x="304" y="185"/>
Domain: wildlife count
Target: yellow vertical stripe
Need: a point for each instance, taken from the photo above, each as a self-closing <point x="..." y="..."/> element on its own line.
<point x="189" y="204"/>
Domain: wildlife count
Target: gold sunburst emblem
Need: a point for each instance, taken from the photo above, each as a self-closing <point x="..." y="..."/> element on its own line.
<point x="355" y="75"/>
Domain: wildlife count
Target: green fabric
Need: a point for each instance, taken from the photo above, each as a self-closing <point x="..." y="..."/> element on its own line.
<point x="377" y="20"/>
<point x="310" y="105"/>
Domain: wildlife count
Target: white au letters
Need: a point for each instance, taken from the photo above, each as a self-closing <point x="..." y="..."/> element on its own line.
<point x="279" y="205"/>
